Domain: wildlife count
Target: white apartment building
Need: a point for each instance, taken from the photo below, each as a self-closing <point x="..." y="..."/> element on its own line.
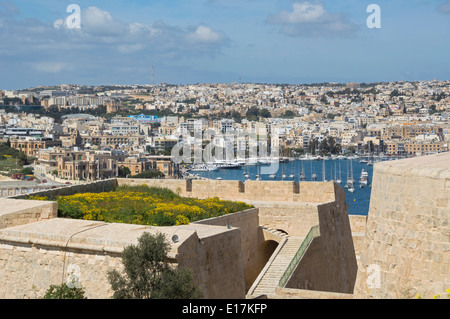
<point x="124" y="129"/>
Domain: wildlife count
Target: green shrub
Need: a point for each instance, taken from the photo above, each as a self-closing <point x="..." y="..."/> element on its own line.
<point x="64" y="292"/>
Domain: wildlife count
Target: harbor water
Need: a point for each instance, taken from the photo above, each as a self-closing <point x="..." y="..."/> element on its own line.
<point x="327" y="169"/>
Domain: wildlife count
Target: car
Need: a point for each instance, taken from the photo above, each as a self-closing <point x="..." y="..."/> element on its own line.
<point x="44" y="181"/>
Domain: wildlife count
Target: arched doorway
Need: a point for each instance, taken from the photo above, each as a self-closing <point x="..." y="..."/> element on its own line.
<point x="266" y="250"/>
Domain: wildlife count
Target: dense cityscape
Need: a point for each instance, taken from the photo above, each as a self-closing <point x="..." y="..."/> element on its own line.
<point x="79" y="133"/>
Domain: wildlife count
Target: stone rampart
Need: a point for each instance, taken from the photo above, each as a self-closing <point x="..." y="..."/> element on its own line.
<point x="36" y="255"/>
<point x="94" y="187"/>
<point x="213" y="250"/>
<point x="285" y="205"/>
<point x="258" y="191"/>
<point x="406" y="249"/>
<point x="19" y="212"/>
<point x="333" y="247"/>
<point x="251" y="237"/>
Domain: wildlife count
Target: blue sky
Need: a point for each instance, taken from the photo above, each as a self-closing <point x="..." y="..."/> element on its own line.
<point x="203" y="41"/>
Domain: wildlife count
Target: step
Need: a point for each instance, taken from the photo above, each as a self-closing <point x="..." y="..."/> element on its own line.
<point x="276" y="269"/>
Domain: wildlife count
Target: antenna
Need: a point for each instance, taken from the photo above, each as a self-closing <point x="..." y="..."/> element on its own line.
<point x="153" y="75"/>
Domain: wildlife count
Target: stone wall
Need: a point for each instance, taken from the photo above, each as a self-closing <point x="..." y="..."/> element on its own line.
<point x="93" y="187"/>
<point x="251" y="239"/>
<point x="312" y="271"/>
<point x="36" y="255"/>
<point x="19" y="212"/>
<point x="406" y="249"/>
<point x="217" y="262"/>
<point x="268" y="191"/>
<point x="178" y="186"/>
<point x="330" y="262"/>
<point x="286" y="205"/>
<point x="358" y="226"/>
<point x="225" y="260"/>
<point x="296" y="219"/>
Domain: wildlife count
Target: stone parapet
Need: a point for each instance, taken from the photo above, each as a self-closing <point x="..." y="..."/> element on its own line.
<point x="19" y="212"/>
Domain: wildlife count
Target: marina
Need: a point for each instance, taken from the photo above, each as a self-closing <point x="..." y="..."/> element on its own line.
<point x="354" y="174"/>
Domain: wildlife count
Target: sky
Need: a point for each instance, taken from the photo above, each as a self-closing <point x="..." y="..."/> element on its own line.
<point x="46" y="42"/>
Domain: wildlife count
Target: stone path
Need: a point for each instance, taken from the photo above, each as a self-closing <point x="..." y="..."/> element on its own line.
<point x="277" y="267"/>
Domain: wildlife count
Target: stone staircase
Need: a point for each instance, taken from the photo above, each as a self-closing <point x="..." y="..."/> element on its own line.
<point x="270" y="276"/>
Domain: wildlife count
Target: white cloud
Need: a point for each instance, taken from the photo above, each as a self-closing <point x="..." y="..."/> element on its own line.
<point x="302" y="13"/>
<point x="50" y="67"/>
<point x="312" y="19"/>
<point x="445" y="8"/>
<point x="95" y="21"/>
<point x="103" y="42"/>
<point x="169" y="41"/>
<point x="205" y="35"/>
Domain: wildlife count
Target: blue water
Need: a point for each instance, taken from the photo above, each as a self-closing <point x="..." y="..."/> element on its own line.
<point x="358" y="201"/>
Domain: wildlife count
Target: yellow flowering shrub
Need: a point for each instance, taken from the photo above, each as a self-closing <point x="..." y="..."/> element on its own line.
<point x="38" y="198"/>
<point x="144" y="205"/>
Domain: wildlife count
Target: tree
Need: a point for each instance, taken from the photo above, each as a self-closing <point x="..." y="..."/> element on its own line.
<point x="329" y="146"/>
<point x="312" y="146"/>
<point x="289" y="113"/>
<point x="252" y="112"/>
<point x="147" y="274"/>
<point x="149" y="174"/>
<point x="265" y="113"/>
<point x="27" y="171"/>
<point x="124" y="171"/>
<point x="63" y="291"/>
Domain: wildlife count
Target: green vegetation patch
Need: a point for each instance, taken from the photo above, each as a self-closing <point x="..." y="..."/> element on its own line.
<point x="143" y="205"/>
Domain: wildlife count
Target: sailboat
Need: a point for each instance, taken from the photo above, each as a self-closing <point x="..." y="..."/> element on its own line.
<point x="363" y="180"/>
<point x="302" y="174"/>
<point x="351" y="171"/>
<point x="291" y="176"/>
<point x="350" y="179"/>
<point x="246" y="172"/>
<point x="339" y="180"/>
<point x="323" y="171"/>
<point x="283" y="176"/>
<point x="313" y="176"/>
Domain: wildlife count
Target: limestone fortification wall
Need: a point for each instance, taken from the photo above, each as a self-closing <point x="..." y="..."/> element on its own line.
<point x="333" y="247"/>
<point x="251" y="238"/>
<point x="358" y="227"/>
<point x="267" y="191"/>
<point x="216" y="260"/>
<point x="293" y="208"/>
<point x="34" y="256"/>
<point x="18" y="212"/>
<point x="215" y="252"/>
<point x="92" y="187"/>
<point x="285" y="205"/>
<point x="406" y="249"/>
